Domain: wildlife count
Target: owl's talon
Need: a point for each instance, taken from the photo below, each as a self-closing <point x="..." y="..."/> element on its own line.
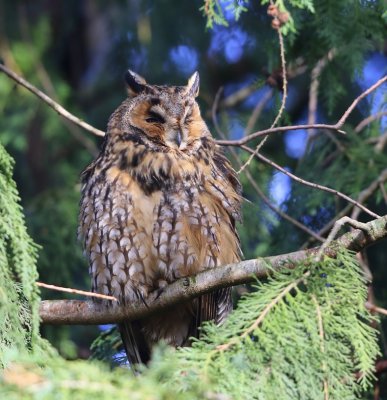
<point x="159" y="291"/>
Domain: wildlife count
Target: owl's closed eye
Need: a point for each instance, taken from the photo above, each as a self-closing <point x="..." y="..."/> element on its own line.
<point x="167" y="115"/>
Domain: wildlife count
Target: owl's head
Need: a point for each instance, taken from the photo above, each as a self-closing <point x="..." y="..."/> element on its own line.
<point x="167" y="115"/>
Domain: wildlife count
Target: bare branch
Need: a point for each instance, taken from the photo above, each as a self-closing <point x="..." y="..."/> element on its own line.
<point x="314" y="86"/>
<point x="283" y="102"/>
<point x="298" y="68"/>
<point x="284" y="78"/>
<point x="279" y="211"/>
<point x="268" y="131"/>
<point x="311" y="184"/>
<point x="75" y="291"/>
<point x="381" y="143"/>
<point x="238" y="96"/>
<point x="53" y="104"/>
<point x="363" y="196"/>
<point x="251" y="179"/>
<point x="257" y="111"/>
<point x="342" y="120"/>
<point x="376" y="309"/>
<point x="369" y="120"/>
<point x="88" y="312"/>
<point x="336" y="228"/>
<point x="335" y="127"/>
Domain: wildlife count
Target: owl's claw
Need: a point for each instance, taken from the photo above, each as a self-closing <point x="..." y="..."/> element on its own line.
<point x="159" y="291"/>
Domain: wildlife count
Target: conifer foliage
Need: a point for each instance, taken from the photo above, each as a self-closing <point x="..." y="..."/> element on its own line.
<point x="19" y="300"/>
<point x="303" y="334"/>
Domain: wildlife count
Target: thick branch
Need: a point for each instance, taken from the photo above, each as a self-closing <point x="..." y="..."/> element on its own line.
<point x="87" y="312"/>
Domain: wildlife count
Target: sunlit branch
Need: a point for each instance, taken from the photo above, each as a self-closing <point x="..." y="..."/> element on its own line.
<point x="89" y="312"/>
<point x="75" y="291"/>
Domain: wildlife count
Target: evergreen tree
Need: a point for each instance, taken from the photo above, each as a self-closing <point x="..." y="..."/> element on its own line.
<point x="302" y="334"/>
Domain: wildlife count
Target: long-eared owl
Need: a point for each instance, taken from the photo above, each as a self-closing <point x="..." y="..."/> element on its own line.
<point x="159" y="203"/>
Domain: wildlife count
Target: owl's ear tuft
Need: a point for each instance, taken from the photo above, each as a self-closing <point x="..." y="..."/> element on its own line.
<point x="136" y="83"/>
<point x="192" y="88"/>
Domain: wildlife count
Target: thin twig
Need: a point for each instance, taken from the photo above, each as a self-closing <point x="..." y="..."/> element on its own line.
<point x="283" y="102"/>
<point x="53" y="104"/>
<point x="342" y="120"/>
<point x="257" y="111"/>
<point x="381" y="143"/>
<point x="251" y="179"/>
<point x="238" y="96"/>
<point x="279" y="211"/>
<point x="313" y="102"/>
<point x="314" y="86"/>
<point x="75" y="291"/>
<point x="369" y="120"/>
<point x="336" y="228"/>
<point x="284" y="79"/>
<point x="376" y="184"/>
<point x="371" y="307"/>
<point x="335" y="127"/>
<point x="311" y="184"/>
<point x="265" y="132"/>
<point x="384" y="193"/>
<point x="363" y="196"/>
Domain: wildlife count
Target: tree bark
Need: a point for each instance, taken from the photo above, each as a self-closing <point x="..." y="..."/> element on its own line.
<point x="85" y="312"/>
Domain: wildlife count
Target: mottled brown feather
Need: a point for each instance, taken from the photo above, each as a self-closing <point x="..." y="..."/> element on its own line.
<point x="159" y="203"/>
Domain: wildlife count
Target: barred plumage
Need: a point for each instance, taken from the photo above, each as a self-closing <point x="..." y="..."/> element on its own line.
<point x="159" y="203"/>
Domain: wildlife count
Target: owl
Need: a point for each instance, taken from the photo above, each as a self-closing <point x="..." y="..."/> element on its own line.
<point x="159" y="203"/>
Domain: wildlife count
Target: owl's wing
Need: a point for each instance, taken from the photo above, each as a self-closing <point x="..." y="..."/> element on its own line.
<point x="136" y="348"/>
<point x="217" y="305"/>
<point x="212" y="307"/>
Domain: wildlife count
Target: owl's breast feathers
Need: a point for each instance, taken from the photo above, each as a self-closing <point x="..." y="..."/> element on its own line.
<point x="149" y="217"/>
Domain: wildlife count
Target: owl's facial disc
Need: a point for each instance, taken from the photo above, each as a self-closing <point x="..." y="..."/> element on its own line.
<point x="168" y="115"/>
<point x="166" y="118"/>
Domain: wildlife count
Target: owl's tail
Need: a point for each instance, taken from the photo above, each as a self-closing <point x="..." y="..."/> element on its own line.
<point x="136" y="348"/>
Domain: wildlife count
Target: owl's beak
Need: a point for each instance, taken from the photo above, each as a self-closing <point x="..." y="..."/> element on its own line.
<point x="174" y="138"/>
<point x="178" y="138"/>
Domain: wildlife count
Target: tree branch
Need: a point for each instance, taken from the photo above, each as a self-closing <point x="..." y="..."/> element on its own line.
<point x="59" y="312"/>
<point x="310" y="184"/>
<point x="74" y="291"/>
<point x="363" y="196"/>
<point x="335" y="127"/>
<point x="369" y="120"/>
<point x="251" y="179"/>
<point x="283" y="101"/>
<point x="53" y="104"/>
